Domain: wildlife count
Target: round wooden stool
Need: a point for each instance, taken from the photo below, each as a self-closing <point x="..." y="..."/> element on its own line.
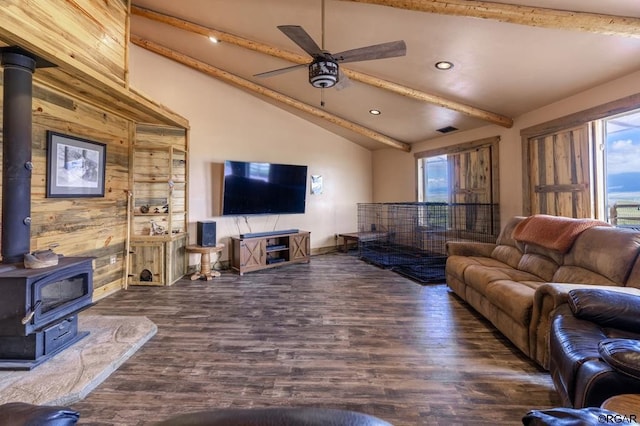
<point x="626" y="404"/>
<point x="205" y="272"/>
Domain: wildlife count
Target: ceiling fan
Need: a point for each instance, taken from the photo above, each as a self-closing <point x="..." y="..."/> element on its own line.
<point x="324" y="69"/>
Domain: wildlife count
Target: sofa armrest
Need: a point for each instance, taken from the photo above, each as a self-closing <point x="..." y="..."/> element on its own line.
<point x="606" y="308"/>
<point x="22" y="413"/>
<point x="546" y="299"/>
<point x="468" y="248"/>
<point x="563" y="416"/>
<point x="622" y="354"/>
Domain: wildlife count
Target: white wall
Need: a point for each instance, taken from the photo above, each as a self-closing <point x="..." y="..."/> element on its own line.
<point x="230" y="124"/>
<point x="394" y="172"/>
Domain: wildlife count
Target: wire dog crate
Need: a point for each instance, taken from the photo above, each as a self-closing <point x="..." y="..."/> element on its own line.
<point x="410" y="238"/>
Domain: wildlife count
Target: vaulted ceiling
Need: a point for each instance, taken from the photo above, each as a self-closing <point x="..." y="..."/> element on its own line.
<point x="508" y="58"/>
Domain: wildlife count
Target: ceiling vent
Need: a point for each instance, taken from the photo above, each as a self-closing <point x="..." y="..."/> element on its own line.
<point x="447" y="129"/>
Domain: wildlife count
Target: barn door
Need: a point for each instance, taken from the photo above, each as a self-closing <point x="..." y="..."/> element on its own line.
<point x="470" y="173"/>
<point x="471" y="189"/>
<point x="559" y="173"/>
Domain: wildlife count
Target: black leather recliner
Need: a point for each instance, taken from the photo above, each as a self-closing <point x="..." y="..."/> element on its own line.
<point x="23" y="414"/>
<point x="594" y="346"/>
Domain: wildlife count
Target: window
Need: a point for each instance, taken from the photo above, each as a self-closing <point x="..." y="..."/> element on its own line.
<point x="434" y="179"/>
<point x="465" y="177"/>
<point x="621" y="168"/>
<point x="465" y="173"/>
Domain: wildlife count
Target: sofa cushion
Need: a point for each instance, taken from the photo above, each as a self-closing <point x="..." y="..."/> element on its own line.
<point x="580" y="275"/>
<point x="606" y="308"/>
<point x="506" y="235"/>
<point x="507" y="249"/>
<point x="513" y="298"/>
<point x="479" y="276"/>
<point x="622" y="354"/>
<point x="634" y="276"/>
<point x="607" y="251"/>
<point x="507" y="254"/>
<point x="538" y="265"/>
<point x="456" y="265"/>
<point x="554" y="255"/>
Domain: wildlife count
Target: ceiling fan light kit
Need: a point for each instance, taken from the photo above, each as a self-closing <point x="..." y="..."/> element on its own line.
<point x="323" y="73"/>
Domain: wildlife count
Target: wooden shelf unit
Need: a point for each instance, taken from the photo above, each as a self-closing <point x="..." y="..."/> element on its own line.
<point x="158" y="216"/>
<point x="255" y="253"/>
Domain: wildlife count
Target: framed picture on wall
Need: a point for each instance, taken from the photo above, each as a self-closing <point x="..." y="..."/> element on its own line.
<point x="75" y="166"/>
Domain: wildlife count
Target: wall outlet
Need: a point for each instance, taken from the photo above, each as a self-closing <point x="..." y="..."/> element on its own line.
<point x="113" y="259"/>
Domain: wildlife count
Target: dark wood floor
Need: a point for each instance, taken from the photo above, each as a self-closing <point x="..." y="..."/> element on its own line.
<point x="337" y="333"/>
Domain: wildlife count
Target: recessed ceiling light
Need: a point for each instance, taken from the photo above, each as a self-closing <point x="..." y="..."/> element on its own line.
<point x="212" y="39"/>
<point x="444" y="65"/>
<point x="374" y="112"/>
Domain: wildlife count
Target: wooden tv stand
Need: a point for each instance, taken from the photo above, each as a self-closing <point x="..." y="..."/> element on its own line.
<point x="255" y="253"/>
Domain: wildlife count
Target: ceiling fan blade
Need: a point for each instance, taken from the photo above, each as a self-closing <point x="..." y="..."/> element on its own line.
<point x="344" y="82"/>
<point x="391" y="49"/>
<point x="280" y="71"/>
<point x="300" y="37"/>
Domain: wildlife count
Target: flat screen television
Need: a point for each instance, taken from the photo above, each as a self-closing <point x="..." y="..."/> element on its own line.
<point x="263" y="188"/>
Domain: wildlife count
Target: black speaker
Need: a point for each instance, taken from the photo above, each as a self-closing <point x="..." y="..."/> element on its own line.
<point x="207" y="234"/>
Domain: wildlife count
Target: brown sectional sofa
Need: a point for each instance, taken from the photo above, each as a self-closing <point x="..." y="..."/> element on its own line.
<point x="518" y="284"/>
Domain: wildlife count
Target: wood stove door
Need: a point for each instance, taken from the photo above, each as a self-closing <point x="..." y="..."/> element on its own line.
<point x="62" y="292"/>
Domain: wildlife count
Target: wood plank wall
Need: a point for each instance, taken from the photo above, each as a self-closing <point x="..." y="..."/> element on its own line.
<point x="82" y="226"/>
<point x="90" y="34"/>
<point x="85" y="95"/>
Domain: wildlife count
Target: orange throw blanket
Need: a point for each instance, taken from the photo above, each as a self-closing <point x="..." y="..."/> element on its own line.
<point x="553" y="232"/>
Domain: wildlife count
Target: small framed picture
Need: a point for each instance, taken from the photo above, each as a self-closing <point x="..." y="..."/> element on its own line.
<point x="75" y="166"/>
<point x="316" y="184"/>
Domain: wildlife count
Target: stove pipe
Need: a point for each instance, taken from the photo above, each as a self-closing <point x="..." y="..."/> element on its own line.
<point x="16" y="154"/>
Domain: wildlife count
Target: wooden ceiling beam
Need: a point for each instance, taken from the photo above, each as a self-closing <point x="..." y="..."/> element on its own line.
<point x="219" y="35"/>
<point x="409" y="92"/>
<point x="261" y="90"/>
<point x="624" y="26"/>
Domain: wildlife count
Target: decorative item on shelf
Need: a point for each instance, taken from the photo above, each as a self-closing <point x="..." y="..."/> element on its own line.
<point x="165" y="208"/>
<point x="144" y="209"/>
<point x="157" y="229"/>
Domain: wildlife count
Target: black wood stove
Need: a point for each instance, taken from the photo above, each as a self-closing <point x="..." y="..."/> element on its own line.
<point x="38" y="307"/>
<point x="38" y="310"/>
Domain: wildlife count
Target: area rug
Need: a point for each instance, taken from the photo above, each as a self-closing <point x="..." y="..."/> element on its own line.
<point x="70" y="375"/>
